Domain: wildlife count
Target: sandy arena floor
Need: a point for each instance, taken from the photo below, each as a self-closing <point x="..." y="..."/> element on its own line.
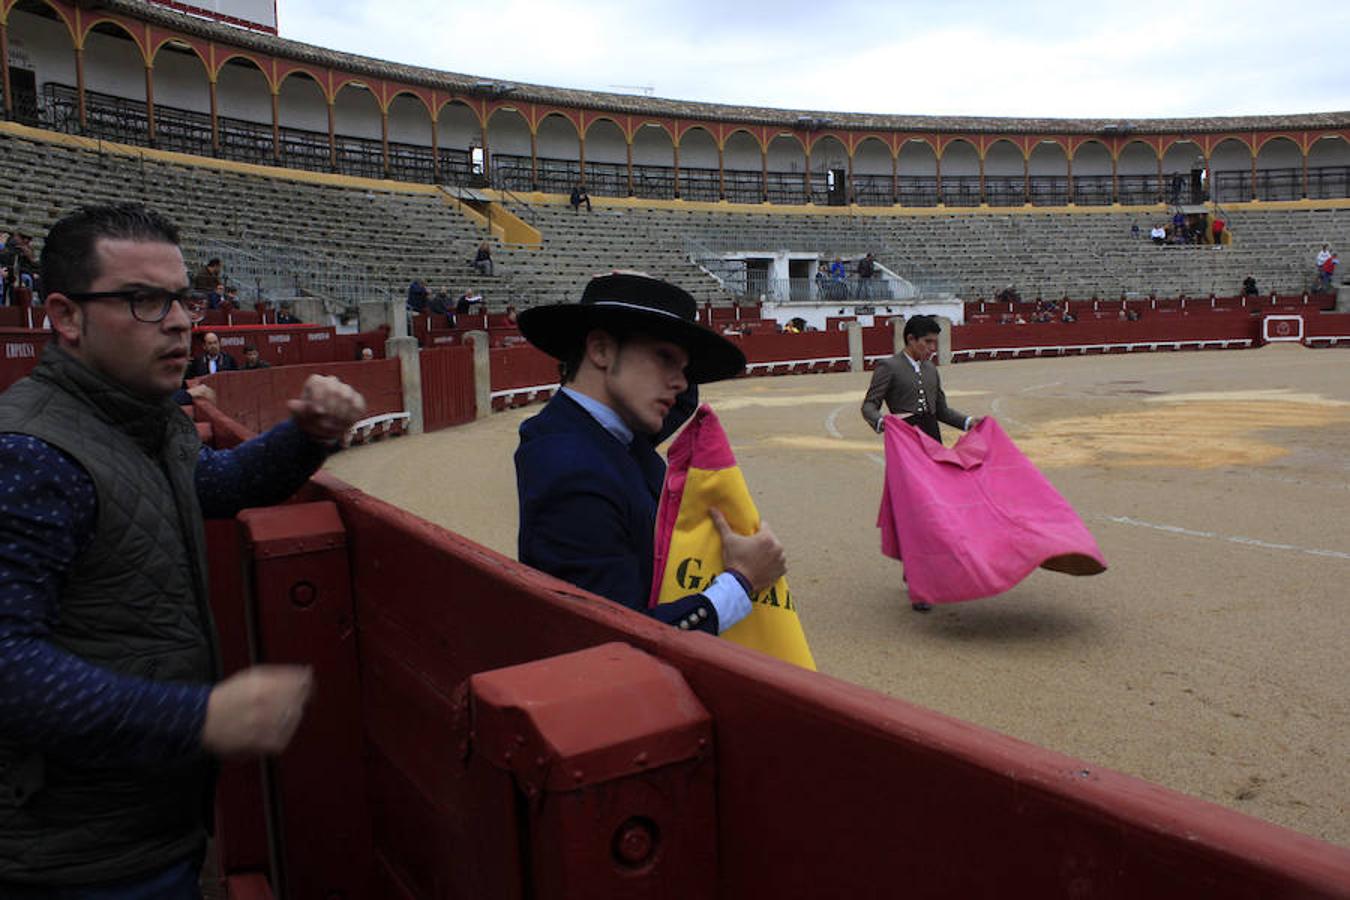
<point x="1212" y="656"/>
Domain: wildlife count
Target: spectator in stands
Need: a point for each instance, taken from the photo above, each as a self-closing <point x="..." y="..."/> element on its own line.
<point x="417" y="297"/>
<point x="823" y="282"/>
<point x="216" y="296"/>
<point x="482" y="260"/>
<point x="1249" y="286"/>
<point x="212" y="359"/>
<point x="466" y="302"/>
<point x="18" y="258"/>
<point x="1322" y="256"/>
<point x="512" y="317"/>
<point x="909" y="385"/>
<point x="1134" y="231"/>
<point x="1179" y="229"/>
<point x="579" y="196"/>
<point x="367" y="354"/>
<point x="110" y="704"/>
<point x="1067" y="317"/>
<point x="1216" y="228"/>
<point x="440" y="306"/>
<point x="207" y="277"/>
<point x="1158" y="234"/>
<point x="285" y="316"/>
<point x="1326" y="271"/>
<point x="1131" y="314"/>
<point x="231" y="300"/>
<point x="867" y="267"/>
<point x="252" y="360"/>
<point x="838" y="280"/>
<point x="587" y="469"/>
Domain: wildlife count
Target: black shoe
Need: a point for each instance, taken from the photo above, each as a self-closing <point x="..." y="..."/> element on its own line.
<point x="921" y="607"/>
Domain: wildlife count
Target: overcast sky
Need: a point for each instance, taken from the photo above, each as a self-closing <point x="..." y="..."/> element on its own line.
<point x="1133" y="59"/>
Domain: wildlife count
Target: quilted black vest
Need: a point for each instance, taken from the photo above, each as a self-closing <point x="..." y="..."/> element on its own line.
<point x="134" y="602"/>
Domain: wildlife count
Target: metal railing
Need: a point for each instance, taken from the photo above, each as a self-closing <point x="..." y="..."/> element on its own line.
<point x="127" y="121"/>
<point x="271" y="270"/>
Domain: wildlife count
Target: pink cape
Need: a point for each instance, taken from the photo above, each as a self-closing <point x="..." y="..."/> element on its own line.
<point x="976" y="518"/>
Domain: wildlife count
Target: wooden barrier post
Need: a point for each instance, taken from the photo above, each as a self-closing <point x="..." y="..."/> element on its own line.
<point x="898" y="334"/>
<point x="605" y="781"/>
<point x="406" y="351"/>
<point x="482" y="372"/>
<point x="944" y="354"/>
<point x="855" y="346"/>
<point x="302" y="613"/>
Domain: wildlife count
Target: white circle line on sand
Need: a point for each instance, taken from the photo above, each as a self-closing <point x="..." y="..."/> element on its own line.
<point x="997" y="408"/>
<point x="832" y="422"/>
<point x="1215" y="536"/>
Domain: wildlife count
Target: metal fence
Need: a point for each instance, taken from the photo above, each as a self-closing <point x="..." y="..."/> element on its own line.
<point x="269" y="271"/>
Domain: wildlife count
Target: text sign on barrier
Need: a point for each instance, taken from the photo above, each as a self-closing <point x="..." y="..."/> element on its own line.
<point x="1279" y="329"/>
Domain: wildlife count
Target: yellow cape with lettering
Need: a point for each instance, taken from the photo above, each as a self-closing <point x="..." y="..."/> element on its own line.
<point x="703" y="475"/>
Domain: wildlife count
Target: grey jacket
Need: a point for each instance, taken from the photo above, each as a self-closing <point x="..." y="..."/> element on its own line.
<point x="895" y="383"/>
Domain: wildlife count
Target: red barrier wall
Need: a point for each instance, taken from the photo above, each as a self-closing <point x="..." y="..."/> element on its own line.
<point x="347" y="347"/>
<point x="277" y="344"/>
<point x="521" y="367"/>
<point x="1155" y="326"/>
<point x="257" y="398"/>
<point x="19" y="352"/>
<point x="1326" y="324"/>
<point x="760" y="348"/>
<point x="447" y="387"/>
<point x="823" y="788"/>
<point x="879" y="340"/>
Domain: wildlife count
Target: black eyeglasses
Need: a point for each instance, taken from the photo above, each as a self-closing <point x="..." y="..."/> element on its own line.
<point x="153" y="304"/>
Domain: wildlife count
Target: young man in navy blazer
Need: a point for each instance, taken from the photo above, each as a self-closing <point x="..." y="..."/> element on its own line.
<point x="587" y="470"/>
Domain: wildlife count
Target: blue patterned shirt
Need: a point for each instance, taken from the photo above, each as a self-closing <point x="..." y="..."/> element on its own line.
<point x="48" y="512"/>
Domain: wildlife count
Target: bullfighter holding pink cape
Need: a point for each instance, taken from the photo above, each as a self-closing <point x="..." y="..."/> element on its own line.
<point x="974" y="519"/>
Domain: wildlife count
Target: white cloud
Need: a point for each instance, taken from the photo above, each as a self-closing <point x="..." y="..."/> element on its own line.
<point x="1144" y="59"/>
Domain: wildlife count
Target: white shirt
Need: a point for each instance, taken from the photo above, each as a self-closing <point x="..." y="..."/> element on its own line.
<point x="1323" y="256"/>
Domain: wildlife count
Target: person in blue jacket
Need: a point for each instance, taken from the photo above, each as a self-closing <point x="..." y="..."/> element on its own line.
<point x="587" y="469"/>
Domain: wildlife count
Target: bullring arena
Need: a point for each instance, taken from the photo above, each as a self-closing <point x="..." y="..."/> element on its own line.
<point x="1209" y="657"/>
<point x="1173" y="728"/>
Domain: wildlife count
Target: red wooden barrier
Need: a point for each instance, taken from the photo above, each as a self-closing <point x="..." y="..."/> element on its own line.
<point x="19" y="352"/>
<point x="347" y="347"/>
<point x="822" y="788"/>
<point x="879" y="340"/>
<point x="1154" y="327"/>
<point x="521" y="367"/>
<point x="764" y="348"/>
<point x="276" y="344"/>
<point x="302" y="612"/>
<point x="447" y="387"/>
<point x="257" y="398"/>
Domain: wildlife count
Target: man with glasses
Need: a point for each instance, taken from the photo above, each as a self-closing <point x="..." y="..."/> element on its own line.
<point x="111" y="708"/>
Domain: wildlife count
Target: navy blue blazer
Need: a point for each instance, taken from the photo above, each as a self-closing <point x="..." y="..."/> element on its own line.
<point x="588" y="507"/>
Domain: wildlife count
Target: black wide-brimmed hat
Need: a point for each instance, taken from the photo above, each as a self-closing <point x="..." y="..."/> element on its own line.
<point x="634" y="302"/>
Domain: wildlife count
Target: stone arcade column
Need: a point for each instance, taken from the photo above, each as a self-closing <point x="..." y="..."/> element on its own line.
<point x="944" y="353"/>
<point x="855" y="346"/>
<point x="482" y="373"/>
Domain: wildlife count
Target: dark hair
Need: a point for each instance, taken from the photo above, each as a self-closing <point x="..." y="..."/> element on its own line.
<point x="213" y="261"/>
<point x="920" y="327"/>
<point x="570" y="366"/>
<point x="249" y="348"/>
<point x="69" y="263"/>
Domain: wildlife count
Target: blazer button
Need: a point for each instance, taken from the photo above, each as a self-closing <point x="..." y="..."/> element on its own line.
<point x="684" y="624"/>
